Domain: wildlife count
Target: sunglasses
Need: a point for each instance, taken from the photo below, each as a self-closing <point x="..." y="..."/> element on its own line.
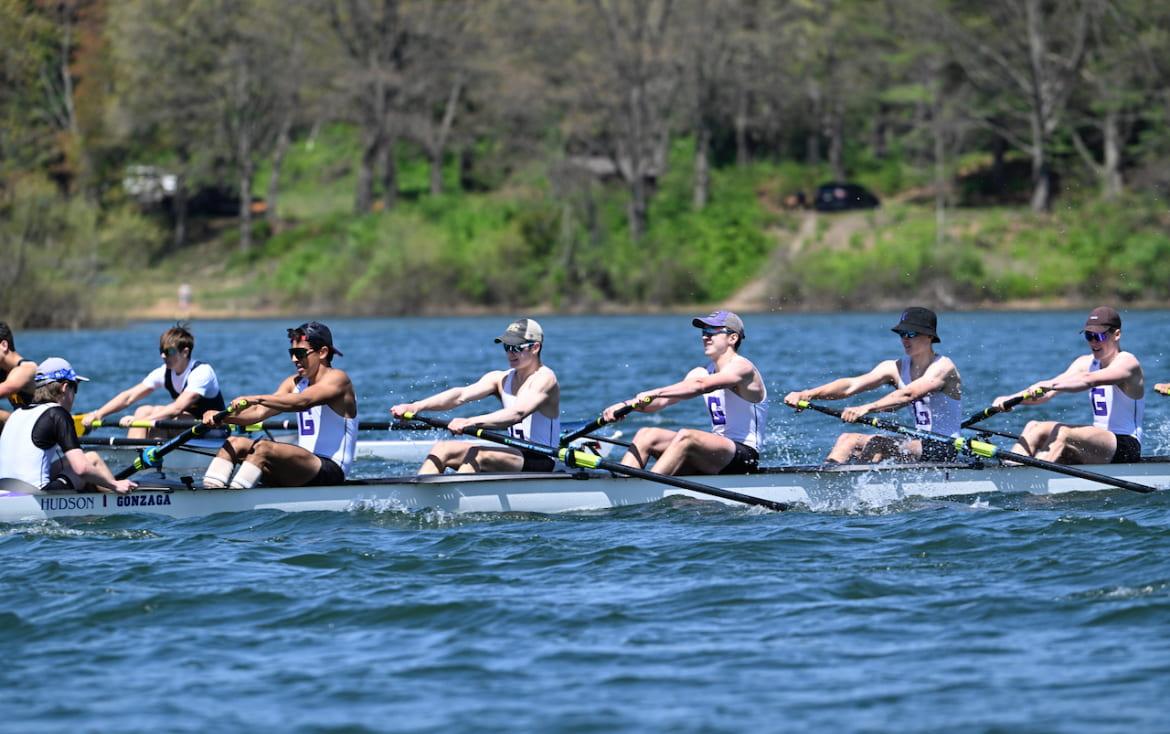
<point x="300" y="353"/>
<point x="75" y="385"/>
<point x="907" y="334"/>
<point x="1097" y="336"/>
<point x="168" y="351"/>
<point x="517" y="348"/>
<point x="712" y="333"/>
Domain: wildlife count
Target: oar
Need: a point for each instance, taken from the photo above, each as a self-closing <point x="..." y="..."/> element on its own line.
<point x="152" y="456"/>
<point x="574" y="458"/>
<point x="287" y="424"/>
<point x="985" y="450"/>
<point x="1007" y="405"/>
<point x="600" y="421"/>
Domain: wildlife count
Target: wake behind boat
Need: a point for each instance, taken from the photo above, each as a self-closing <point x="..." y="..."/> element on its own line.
<point x="559" y="492"/>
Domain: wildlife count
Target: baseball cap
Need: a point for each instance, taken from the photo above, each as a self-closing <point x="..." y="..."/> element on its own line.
<point x="57" y="369"/>
<point x="921" y="320"/>
<point x="1102" y="319"/>
<point x="317" y="334"/>
<point x="522" y="331"/>
<point x="726" y="319"/>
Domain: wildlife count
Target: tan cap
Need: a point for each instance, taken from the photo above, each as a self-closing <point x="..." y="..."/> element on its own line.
<point x="522" y="331"/>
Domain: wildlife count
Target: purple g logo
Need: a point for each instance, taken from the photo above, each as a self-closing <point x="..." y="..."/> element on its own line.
<point x="1097" y="399"/>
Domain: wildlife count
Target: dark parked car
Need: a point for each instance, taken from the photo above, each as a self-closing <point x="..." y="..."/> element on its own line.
<point x="840" y="197"/>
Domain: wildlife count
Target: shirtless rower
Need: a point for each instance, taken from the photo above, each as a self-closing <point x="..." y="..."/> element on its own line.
<point x="17" y="374"/>
<point x="925" y="382"/>
<point x="39" y="445"/>
<point x="1116" y="388"/>
<point x="736" y="399"/>
<point x="323" y="398"/>
<point x="191" y="384"/>
<point x="531" y="409"/>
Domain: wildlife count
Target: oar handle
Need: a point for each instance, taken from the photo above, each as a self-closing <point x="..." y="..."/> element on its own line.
<point x="583" y="459"/>
<point x="600" y="420"/>
<point x="153" y="456"/>
<point x="987" y="450"/>
<point x="1007" y="405"/>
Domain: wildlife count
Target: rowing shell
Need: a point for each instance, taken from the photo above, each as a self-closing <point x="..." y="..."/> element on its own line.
<point x="558" y="492"/>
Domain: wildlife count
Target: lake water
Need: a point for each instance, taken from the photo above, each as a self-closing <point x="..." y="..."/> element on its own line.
<point x="1007" y="614"/>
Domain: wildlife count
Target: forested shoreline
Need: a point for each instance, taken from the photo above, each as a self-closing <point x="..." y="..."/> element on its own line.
<point x="408" y="156"/>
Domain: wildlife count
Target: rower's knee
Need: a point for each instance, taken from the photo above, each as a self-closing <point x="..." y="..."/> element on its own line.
<point x="142" y="411"/>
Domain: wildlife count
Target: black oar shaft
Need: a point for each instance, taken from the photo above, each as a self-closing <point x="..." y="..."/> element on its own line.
<point x="574" y="458"/>
<point x="600" y="421"/>
<point x="150" y="457"/>
<point x="986" y="450"/>
<point x="996" y="410"/>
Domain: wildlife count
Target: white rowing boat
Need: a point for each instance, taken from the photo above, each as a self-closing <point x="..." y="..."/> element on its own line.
<point x="559" y="492"/>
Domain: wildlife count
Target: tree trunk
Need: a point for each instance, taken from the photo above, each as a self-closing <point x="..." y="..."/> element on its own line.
<point x="246" y="204"/>
<point x="837" y="144"/>
<point x="940" y="179"/>
<point x="702" y="183"/>
<point x="1111" y="182"/>
<point x="742" y="157"/>
<point x="179" y="206"/>
<point x="638" y="207"/>
<point x="364" y="194"/>
<point x="1041" y="176"/>
<point x="283" y="140"/>
<point x="389" y="165"/>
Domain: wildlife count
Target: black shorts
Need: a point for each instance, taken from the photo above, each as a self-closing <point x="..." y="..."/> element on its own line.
<point x="329" y="473"/>
<point x="937" y="451"/>
<point x="537" y="462"/>
<point x="1129" y="450"/>
<point x="745" y="461"/>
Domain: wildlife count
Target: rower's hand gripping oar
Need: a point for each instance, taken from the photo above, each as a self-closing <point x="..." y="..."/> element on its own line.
<point x="574" y="458"/>
<point x="1007" y="405"/>
<point x="152" y="457"/>
<point x="986" y="450"/>
<point x="600" y="420"/>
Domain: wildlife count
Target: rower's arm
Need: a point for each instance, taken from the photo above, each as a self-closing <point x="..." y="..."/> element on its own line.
<point x="260" y="407"/>
<point x="529" y="398"/>
<point x="667" y="395"/>
<point x="121" y="401"/>
<point x="1123" y="369"/>
<point x="453" y="397"/>
<point x="885" y="373"/>
<point x="182" y="404"/>
<point x="20" y="376"/>
<point x="330" y="387"/>
<point x="933" y="380"/>
<point x="96" y="474"/>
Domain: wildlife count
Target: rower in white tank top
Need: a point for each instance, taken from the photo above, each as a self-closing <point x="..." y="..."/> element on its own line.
<point x="325" y="433"/>
<point x="537" y="427"/>
<point x="936" y="412"/>
<point x="20" y="457"/>
<point x="737" y="419"/>
<point x="1114" y="411"/>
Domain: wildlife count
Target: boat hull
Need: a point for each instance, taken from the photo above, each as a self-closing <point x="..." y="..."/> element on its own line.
<point x="559" y="492"/>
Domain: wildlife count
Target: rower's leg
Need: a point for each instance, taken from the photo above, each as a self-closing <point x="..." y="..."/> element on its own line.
<point x="880" y="448"/>
<point x="1080" y="445"/>
<point x="649" y="443"/>
<point x="140" y="415"/>
<point x="281" y="465"/>
<point x="232" y="452"/>
<point x="848" y="448"/>
<point x="444" y="455"/>
<point x="491" y="458"/>
<point x="1036" y="437"/>
<point x="697" y="452"/>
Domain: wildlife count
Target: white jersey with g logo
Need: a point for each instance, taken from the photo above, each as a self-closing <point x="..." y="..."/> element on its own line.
<point x="936" y="412"/>
<point x="735" y="418"/>
<point x="1114" y="411"/>
<point x="325" y="433"/>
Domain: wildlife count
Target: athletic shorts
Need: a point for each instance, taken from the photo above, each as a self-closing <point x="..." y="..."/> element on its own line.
<point x="745" y="461"/>
<point x="537" y="462"/>
<point x="329" y="473"/>
<point x="1129" y="450"/>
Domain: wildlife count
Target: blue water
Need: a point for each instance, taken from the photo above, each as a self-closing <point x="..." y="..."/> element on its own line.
<point x="1006" y="614"/>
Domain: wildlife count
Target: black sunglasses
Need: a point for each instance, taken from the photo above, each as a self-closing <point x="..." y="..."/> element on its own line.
<point x="517" y="348"/>
<point x="168" y="351"/>
<point x="299" y="352"/>
<point x="1097" y="336"/>
<point x="907" y="334"/>
<point x="712" y="333"/>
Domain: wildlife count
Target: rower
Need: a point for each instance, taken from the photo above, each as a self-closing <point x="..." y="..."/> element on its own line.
<point x="192" y="385"/>
<point x="323" y="398"/>
<point x="925" y="382"/>
<point x="39" y="444"/>
<point x="17" y="374"/>
<point x="1116" y="388"/>
<point x="736" y="399"/>
<point x="531" y="411"/>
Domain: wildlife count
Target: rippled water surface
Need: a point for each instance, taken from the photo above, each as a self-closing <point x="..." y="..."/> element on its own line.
<point x="999" y="614"/>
